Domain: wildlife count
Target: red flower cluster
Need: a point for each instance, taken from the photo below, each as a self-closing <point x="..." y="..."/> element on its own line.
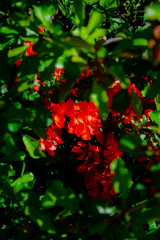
<point x="84" y="119"/>
<point x="80" y="118"/>
<point x="96" y="166"/>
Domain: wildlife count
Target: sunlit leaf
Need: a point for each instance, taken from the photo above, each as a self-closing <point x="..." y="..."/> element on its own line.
<point x="152" y="12"/>
<point x="99" y="97"/>
<point x="19" y="51"/>
<point x="42" y="220"/>
<point x="33" y="146"/>
<point x="94" y="21"/>
<point x="122" y="181"/>
<point x="133" y="145"/>
<point x="155" y="117"/>
<point x="44" y="13"/>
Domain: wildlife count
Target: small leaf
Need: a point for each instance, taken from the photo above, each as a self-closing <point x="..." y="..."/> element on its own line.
<point x="140" y="42"/>
<point x="94" y="22"/>
<point x="7" y="30"/>
<point x="108" y="4"/>
<point x="14" y="127"/>
<point x="155" y="167"/>
<point x="33" y="146"/>
<point x="17" y="51"/>
<point x="6" y="171"/>
<point x="136" y="103"/>
<point x="22" y="182"/>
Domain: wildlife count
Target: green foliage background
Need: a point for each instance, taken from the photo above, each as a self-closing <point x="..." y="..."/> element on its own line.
<point x="39" y="198"/>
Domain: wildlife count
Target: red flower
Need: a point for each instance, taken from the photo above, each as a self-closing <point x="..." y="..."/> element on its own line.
<point x="112" y="90"/>
<point x="36" y="88"/>
<point x="41" y="29"/>
<point x="30" y="50"/>
<point x="52" y="140"/>
<point x="110" y="146"/>
<point x="58" y="73"/>
<point x="58" y="111"/>
<point x="84" y="119"/>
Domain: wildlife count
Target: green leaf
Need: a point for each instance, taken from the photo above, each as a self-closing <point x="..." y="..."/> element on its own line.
<point x="94" y="22"/>
<point x="77" y="42"/>
<point x="156" y="99"/>
<point x="18" y="156"/>
<point x="152" y="12"/>
<point x="155" y="167"/>
<point x="117" y="71"/>
<point x="6" y="171"/>
<point x="118" y="20"/>
<point x="14" y="127"/>
<point x="99" y="32"/>
<point x="23" y="182"/>
<point x="9" y="145"/>
<point x="24" y="85"/>
<point x="61" y="7"/>
<point x="33" y="146"/>
<point x="44" y="14"/>
<point x="58" y="195"/>
<point x="121" y="100"/>
<point x="148" y="214"/>
<point x="27" y="177"/>
<point x="122" y="180"/>
<point x="155" y="117"/>
<point x="42" y="220"/>
<point x="133" y="145"/>
<point x="108" y="4"/>
<point x="10" y="193"/>
<point x="17" y="51"/>
<point x="99" y="97"/>
<point x="136" y="103"/>
<point x="154" y="129"/>
<point x="140" y="42"/>
<point x="79" y="11"/>
<point x="7" y="30"/>
<point x="90" y="2"/>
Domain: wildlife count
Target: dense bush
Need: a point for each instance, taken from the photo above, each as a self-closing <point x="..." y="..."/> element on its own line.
<point x="80" y="119"/>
